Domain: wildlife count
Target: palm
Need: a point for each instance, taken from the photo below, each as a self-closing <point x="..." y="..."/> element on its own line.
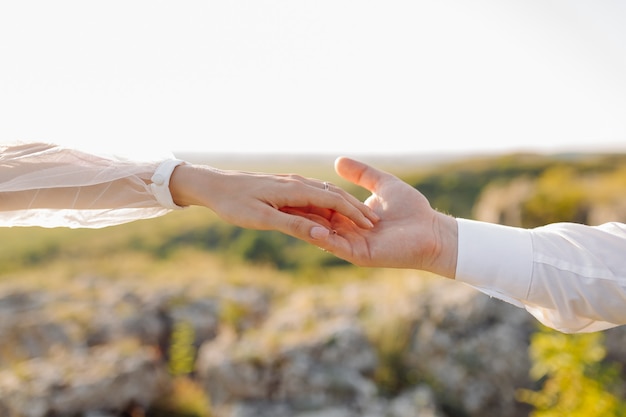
<point x="402" y="238"/>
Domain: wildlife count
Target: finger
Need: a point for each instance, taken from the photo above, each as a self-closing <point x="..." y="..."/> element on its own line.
<point x="364" y="208"/>
<point x="303" y="225"/>
<point x="339" y="225"/>
<point x="334" y="198"/>
<point x="347" y="243"/>
<point x="331" y="188"/>
<point x="318" y="197"/>
<point x="360" y="173"/>
<point x="310" y="212"/>
<point x="345" y="240"/>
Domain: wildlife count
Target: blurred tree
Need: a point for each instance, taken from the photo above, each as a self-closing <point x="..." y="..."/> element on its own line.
<point x="560" y="196"/>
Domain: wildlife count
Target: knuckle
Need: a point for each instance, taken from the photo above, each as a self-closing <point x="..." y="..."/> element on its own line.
<point x="295" y="177"/>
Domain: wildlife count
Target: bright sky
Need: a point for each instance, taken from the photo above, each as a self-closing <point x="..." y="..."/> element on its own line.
<point x="323" y="76"/>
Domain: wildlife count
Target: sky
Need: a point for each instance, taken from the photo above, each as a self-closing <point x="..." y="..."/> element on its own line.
<point x="324" y="76"/>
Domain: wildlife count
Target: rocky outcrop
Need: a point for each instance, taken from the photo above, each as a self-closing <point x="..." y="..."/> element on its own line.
<point x="68" y="383"/>
<point x="468" y="353"/>
<point x="101" y="348"/>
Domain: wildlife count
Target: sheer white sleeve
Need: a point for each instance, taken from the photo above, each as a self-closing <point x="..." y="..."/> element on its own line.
<point x="52" y="186"/>
<point x="571" y="277"/>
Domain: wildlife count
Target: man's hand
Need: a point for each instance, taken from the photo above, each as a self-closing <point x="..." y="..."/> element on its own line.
<point x="409" y="234"/>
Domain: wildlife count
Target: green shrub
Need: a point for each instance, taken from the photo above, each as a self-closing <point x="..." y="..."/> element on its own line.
<point x="560" y="196"/>
<point x="186" y="399"/>
<point x="575" y="379"/>
<point x="182" y="353"/>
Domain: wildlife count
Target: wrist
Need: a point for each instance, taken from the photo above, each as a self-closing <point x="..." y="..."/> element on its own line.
<point x="183" y="185"/>
<point x="161" y="179"/>
<point x="446" y="246"/>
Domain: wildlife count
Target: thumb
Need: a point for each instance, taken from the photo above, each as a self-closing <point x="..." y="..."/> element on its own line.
<point x="360" y="173"/>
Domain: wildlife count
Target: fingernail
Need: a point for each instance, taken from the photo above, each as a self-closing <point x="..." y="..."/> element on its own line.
<point x="369" y="223"/>
<point x="318" y="232"/>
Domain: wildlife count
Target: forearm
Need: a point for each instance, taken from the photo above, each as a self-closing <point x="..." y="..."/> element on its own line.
<point x="116" y="194"/>
<point x="47" y="185"/>
<point x="571" y="277"/>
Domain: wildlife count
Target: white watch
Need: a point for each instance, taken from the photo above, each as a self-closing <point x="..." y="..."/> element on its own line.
<point x="161" y="183"/>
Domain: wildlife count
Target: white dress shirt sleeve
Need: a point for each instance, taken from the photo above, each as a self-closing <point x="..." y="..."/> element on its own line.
<point x="52" y="186"/>
<point x="571" y="277"/>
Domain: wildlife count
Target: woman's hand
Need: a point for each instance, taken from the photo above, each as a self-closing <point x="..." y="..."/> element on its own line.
<point x="262" y="201"/>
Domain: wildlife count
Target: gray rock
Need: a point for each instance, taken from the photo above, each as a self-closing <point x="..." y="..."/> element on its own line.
<point x="104" y="378"/>
<point x="474" y="349"/>
<point x="326" y="368"/>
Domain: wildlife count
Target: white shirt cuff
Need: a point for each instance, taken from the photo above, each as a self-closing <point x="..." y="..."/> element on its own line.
<point x="161" y="183"/>
<point x="496" y="259"/>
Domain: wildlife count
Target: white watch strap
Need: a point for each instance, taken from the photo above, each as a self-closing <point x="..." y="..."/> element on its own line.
<point x="161" y="183"/>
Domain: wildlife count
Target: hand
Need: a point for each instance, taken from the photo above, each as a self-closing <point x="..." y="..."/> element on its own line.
<point x="409" y="234"/>
<point x="253" y="200"/>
